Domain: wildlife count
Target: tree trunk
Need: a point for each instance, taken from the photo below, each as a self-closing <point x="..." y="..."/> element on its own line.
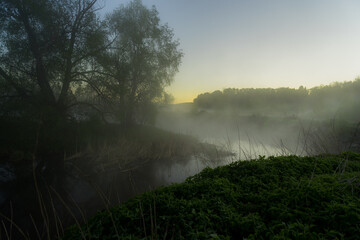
<point x="130" y="108"/>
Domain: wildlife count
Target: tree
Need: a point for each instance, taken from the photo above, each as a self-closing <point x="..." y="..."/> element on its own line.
<point x="142" y="60"/>
<point x="47" y="50"/>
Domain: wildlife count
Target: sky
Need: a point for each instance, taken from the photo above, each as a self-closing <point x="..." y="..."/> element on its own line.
<point x="260" y="43"/>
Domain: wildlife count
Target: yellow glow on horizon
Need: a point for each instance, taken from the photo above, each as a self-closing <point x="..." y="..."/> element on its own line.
<point x="184" y="100"/>
<point x="183" y="97"/>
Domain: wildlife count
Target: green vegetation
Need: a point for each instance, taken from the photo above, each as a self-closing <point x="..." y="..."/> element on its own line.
<point x="323" y="102"/>
<point x="61" y="59"/>
<point x="78" y="92"/>
<point x="104" y="162"/>
<point x="141" y="62"/>
<point x="63" y="66"/>
<point x="274" y="198"/>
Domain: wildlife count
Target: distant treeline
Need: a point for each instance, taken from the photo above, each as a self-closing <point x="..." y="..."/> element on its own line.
<point x="339" y="100"/>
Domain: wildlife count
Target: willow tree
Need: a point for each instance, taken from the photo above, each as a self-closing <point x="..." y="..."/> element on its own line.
<point x="46" y="52"/>
<point x="142" y="61"/>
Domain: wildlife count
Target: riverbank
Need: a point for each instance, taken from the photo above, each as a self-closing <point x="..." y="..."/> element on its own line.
<point x="277" y="197"/>
<point x="105" y="165"/>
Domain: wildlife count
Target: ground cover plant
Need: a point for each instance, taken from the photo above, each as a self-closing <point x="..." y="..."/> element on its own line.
<point x="105" y="165"/>
<point x="286" y="197"/>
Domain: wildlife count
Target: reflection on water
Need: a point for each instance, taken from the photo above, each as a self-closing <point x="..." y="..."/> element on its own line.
<point x="246" y="136"/>
<point x="178" y="171"/>
<point x="223" y="142"/>
<point x="249" y="149"/>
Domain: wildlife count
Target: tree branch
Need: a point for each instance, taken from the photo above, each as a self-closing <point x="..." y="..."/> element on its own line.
<point x="34" y="46"/>
<point x="12" y="82"/>
<point x="69" y="62"/>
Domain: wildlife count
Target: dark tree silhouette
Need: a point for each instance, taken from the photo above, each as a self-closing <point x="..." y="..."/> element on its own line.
<point x="141" y="61"/>
<point x="337" y="100"/>
<point x="47" y="50"/>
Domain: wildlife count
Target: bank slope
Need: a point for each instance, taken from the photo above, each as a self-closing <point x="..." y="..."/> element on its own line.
<point x="273" y="198"/>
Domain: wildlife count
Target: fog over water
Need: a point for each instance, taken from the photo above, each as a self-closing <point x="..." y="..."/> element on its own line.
<point x="242" y="137"/>
<point x="246" y="136"/>
<point x="85" y="119"/>
<point x="249" y="135"/>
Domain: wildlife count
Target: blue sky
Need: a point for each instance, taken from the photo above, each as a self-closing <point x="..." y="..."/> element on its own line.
<point x="260" y="43"/>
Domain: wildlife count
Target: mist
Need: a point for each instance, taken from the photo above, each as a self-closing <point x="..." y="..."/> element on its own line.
<point x="87" y="123"/>
<point x="253" y="122"/>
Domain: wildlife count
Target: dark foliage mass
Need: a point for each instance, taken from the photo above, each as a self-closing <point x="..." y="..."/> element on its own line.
<point x="73" y="82"/>
<point x="275" y="198"/>
<point x="61" y="64"/>
<point x="336" y="100"/>
<point x="60" y="60"/>
<point x="76" y="93"/>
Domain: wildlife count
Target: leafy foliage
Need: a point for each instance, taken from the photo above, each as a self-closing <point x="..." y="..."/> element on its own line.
<point x="141" y="61"/>
<point x="57" y="57"/>
<point x="45" y="55"/>
<point x="61" y="64"/>
<point x="337" y="99"/>
<point x="275" y="198"/>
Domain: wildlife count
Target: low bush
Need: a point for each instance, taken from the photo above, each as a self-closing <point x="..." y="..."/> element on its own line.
<point x="274" y="198"/>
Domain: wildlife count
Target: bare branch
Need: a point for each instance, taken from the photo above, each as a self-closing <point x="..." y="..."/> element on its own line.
<point x="21" y="91"/>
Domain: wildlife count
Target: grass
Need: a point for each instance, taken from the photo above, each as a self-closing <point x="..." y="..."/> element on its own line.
<point x="274" y="198"/>
<point x="241" y="200"/>
<point x="105" y="159"/>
